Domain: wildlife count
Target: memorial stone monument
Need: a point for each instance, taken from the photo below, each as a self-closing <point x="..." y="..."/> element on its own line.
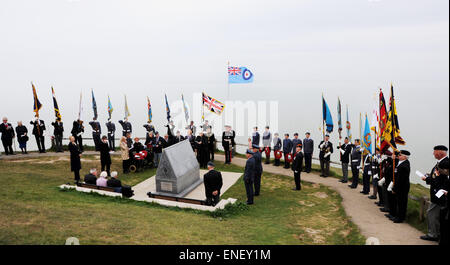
<point x="178" y="171"/>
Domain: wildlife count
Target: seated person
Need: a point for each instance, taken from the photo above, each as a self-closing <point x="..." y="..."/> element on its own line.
<point x="213" y="184"/>
<point x="115" y="183"/>
<point x="137" y="146"/>
<point x="101" y="181"/>
<point x="91" y="178"/>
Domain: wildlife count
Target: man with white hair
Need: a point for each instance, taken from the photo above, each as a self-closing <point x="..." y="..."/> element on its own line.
<point x="7" y="136"/>
<point x="102" y="180"/>
<point x="91" y="178"/>
<point x="114" y="182"/>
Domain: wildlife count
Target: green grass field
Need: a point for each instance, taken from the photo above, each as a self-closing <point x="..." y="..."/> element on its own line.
<point x="35" y="211"/>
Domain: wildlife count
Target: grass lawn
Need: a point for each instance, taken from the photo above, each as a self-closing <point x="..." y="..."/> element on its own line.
<point x="35" y="211"/>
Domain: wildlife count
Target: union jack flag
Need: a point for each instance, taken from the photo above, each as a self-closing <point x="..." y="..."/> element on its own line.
<point x="232" y="70"/>
<point x="213" y="104"/>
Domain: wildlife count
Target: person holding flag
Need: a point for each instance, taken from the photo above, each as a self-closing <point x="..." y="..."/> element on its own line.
<point x="38" y="124"/>
<point x="111" y="127"/>
<point x="325" y="146"/>
<point x="367" y="170"/>
<point x="96" y="128"/>
<point x="126" y="125"/>
<point x="58" y="126"/>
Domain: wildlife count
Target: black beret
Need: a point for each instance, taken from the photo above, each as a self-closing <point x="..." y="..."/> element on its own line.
<point x="210" y="164"/>
<point x="249" y="152"/>
<point x="441" y="148"/>
<point x="295" y="134"/>
<point x="255" y="146"/>
<point x="405" y="152"/>
<point x="327" y="135"/>
<point x="307" y="133"/>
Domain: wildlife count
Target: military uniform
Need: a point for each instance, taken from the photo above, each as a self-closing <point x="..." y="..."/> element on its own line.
<point x="255" y="138"/>
<point x="401" y="189"/>
<point x="227" y="144"/>
<point x="295" y="142"/>
<point x="277" y="147"/>
<point x="345" y="150"/>
<point x="297" y="167"/>
<point x="96" y="133"/>
<point x="77" y="132"/>
<point x="267" y="140"/>
<point x="249" y="178"/>
<point x="38" y="132"/>
<point x="211" y="140"/>
<point x="355" y="157"/>
<point x="201" y="144"/>
<point x="308" y="150"/>
<point x="7" y="137"/>
<point x="367" y="173"/>
<point x="287" y="149"/>
<point x="326" y="149"/>
<point x="126" y="127"/>
<point x="111" y="127"/>
<point x="258" y="170"/>
<point x="58" y="133"/>
<point x="213" y="182"/>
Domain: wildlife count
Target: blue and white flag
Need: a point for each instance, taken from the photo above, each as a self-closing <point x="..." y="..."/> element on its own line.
<point x="239" y="75"/>
<point x="327" y="116"/>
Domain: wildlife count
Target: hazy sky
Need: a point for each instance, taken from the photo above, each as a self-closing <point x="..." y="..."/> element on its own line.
<point x="297" y="50"/>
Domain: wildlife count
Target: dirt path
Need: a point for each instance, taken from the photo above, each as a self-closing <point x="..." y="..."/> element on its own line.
<point x="362" y="211"/>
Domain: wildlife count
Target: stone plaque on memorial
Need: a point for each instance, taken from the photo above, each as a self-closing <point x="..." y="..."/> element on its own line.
<point x="178" y="172"/>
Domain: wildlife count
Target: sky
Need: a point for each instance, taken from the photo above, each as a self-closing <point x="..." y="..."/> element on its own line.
<point x="297" y="50"/>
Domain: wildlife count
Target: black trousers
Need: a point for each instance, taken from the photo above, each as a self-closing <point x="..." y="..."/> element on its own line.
<point x="58" y="143"/>
<point x="77" y="175"/>
<point x="286" y="163"/>
<point x="249" y="190"/>
<point x="325" y="167"/>
<point x="297" y="180"/>
<point x="392" y="198"/>
<point x="257" y="183"/>
<point x="111" y="142"/>
<point x="386" y="201"/>
<point x="106" y="166"/>
<point x="444" y="227"/>
<point x="126" y="166"/>
<point x="228" y="154"/>
<point x="40" y="143"/>
<point x="402" y="205"/>
<point x="213" y="200"/>
<point x="366" y="182"/>
<point x="79" y="142"/>
<point x="277" y="162"/>
<point x="7" y="144"/>
<point x="381" y="196"/>
<point x="355" y="175"/>
<point x="308" y="159"/>
<point x="96" y="137"/>
<point x="210" y="152"/>
<point x="268" y="157"/>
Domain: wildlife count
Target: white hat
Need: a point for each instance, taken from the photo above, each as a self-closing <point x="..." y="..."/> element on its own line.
<point x="103" y="174"/>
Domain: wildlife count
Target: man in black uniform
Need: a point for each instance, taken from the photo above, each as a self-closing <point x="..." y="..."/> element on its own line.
<point x="211" y="141"/>
<point x="77" y="133"/>
<point x="297" y="166"/>
<point x="96" y="133"/>
<point x="258" y="167"/>
<point x="7" y="136"/>
<point x="111" y="127"/>
<point x="227" y="143"/>
<point x="249" y="175"/>
<point x="58" y="134"/>
<point x="287" y="149"/>
<point x="276" y="148"/>
<point x="213" y="184"/>
<point x="436" y="180"/>
<point x="367" y="173"/>
<point x="39" y="133"/>
<point x="126" y="127"/>
<point x="308" y="149"/>
<point x="345" y="150"/>
<point x="326" y="149"/>
<point x="201" y="144"/>
<point x="376" y="159"/>
<point x="401" y="185"/>
<point x="355" y="157"/>
<point x="105" y="156"/>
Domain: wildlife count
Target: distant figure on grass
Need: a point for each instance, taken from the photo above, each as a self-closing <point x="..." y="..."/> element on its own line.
<point x="125" y="152"/>
<point x="114" y="182"/>
<point x="75" y="158"/>
<point x="105" y="156"/>
<point x="102" y="180"/>
<point x="249" y="175"/>
<point x="297" y="166"/>
<point x="91" y="178"/>
<point x="213" y="184"/>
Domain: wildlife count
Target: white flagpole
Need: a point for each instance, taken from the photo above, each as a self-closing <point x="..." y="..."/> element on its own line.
<point x="228" y="83"/>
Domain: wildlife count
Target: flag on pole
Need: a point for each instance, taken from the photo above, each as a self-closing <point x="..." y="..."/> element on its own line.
<point x="392" y="130"/>
<point x="80" y="107"/>
<point x="339" y="118"/>
<point x="384" y="145"/>
<point x="212" y="104"/>
<point x="374" y="126"/>
<point x="94" y="105"/>
<point x="327" y="116"/>
<point x="36" y="105"/>
<point x="149" y="106"/>
<point x="239" y="75"/>
<point x="55" y="106"/>
<point x="110" y="108"/>
<point x="185" y="108"/>
<point x="367" y="139"/>
<point x="167" y="108"/>
<point x="127" y="111"/>
<point x="348" y="126"/>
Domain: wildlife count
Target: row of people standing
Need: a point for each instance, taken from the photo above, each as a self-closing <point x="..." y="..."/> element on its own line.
<point x="9" y="134"/>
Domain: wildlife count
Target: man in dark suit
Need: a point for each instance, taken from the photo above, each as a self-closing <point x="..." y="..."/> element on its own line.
<point x="308" y="150"/>
<point x="178" y="137"/>
<point x="105" y="156"/>
<point x="126" y="127"/>
<point x="249" y="176"/>
<point x="227" y="143"/>
<point x="326" y="149"/>
<point x="287" y="149"/>
<point x="114" y="182"/>
<point x="58" y="134"/>
<point x="297" y="166"/>
<point x="111" y="127"/>
<point x="96" y="132"/>
<point x="39" y="133"/>
<point x="91" y="178"/>
<point x="258" y="167"/>
<point x="213" y="183"/>
<point x="7" y="136"/>
<point x="436" y="180"/>
<point x="401" y="185"/>
<point x="345" y="150"/>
